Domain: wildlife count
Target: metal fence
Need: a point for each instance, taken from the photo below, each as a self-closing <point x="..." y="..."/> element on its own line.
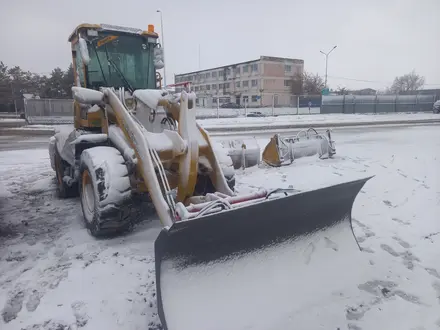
<point x="49" y="111"/>
<point x="377" y="103"/>
<point x="60" y="111"/>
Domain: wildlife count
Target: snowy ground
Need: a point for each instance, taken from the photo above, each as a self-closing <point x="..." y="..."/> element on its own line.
<point x="328" y="119"/>
<point x="11" y="122"/>
<point x="53" y="275"/>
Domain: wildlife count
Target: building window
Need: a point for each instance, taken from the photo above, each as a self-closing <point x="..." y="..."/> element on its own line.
<point x="237" y="84"/>
<point x="287" y="68"/>
<point x="220" y="85"/>
<point x="254" y="83"/>
<point x="254" y="98"/>
<point x="287" y="83"/>
<point x="208" y="87"/>
<point x="197" y="101"/>
<point x="237" y="70"/>
<point x="246" y="83"/>
<point x="255" y="67"/>
<point x="246" y="99"/>
<point x="246" y="68"/>
<point x="227" y="85"/>
<point x="214" y="74"/>
<point x="214" y="86"/>
<point x="207" y="75"/>
<point x="196" y="88"/>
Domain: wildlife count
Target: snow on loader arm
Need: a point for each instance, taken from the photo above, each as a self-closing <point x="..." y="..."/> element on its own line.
<point x="284" y="150"/>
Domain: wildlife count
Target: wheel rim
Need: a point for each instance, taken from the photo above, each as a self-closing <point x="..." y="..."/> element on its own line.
<point x="87" y="197"/>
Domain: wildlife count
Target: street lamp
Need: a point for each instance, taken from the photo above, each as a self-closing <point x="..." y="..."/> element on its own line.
<point x="326" y="63"/>
<point x="163" y="47"/>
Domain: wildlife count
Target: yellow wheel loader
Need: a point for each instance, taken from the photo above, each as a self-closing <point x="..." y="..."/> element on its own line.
<point x="222" y="259"/>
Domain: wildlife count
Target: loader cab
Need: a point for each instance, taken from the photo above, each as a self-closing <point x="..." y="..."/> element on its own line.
<point x="104" y="55"/>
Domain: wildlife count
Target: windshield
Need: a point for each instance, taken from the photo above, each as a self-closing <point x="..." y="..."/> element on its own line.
<point x="121" y="61"/>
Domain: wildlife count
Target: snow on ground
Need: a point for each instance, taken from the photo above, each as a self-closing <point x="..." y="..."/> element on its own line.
<point x="313" y="119"/>
<point x="54" y="275"/>
<point x="259" y="123"/>
<point x="12" y="120"/>
<point x="223" y="112"/>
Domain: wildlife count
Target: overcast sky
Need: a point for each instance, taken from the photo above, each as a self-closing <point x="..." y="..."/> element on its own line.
<point x="376" y="39"/>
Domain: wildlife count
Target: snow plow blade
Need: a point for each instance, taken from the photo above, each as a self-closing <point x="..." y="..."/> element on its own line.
<point x="260" y="266"/>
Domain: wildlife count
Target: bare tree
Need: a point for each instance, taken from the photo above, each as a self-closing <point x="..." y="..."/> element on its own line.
<point x="342" y="91"/>
<point x="408" y="82"/>
<point x="307" y="83"/>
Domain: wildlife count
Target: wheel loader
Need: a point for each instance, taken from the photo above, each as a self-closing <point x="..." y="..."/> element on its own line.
<point x="223" y="260"/>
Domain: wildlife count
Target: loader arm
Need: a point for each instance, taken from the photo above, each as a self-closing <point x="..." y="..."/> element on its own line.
<point x="133" y="133"/>
<point x="184" y="115"/>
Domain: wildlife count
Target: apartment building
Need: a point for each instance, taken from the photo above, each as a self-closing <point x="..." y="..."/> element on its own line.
<point x="261" y="82"/>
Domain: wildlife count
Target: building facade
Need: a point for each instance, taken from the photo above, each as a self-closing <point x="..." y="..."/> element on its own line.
<point x="257" y="83"/>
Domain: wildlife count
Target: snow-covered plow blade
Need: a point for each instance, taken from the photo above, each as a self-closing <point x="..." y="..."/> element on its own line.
<point x="272" y="264"/>
<point x="284" y="150"/>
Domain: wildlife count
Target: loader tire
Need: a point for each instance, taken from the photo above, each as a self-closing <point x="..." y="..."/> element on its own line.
<point x="230" y="179"/>
<point x="64" y="190"/>
<point x="205" y="186"/>
<point x="105" y="191"/>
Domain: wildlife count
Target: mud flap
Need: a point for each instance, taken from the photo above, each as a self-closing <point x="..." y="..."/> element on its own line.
<point x="261" y="266"/>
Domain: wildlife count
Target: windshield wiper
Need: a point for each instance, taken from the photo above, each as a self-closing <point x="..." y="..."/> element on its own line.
<point x="121" y="75"/>
<point x="99" y="62"/>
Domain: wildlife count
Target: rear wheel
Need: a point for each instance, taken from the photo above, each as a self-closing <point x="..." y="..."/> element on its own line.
<point x="105" y="191"/>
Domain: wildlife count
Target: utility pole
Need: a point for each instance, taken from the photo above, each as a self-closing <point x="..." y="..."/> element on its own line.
<point x="163" y="48"/>
<point x="200" y="67"/>
<point x="326" y="63"/>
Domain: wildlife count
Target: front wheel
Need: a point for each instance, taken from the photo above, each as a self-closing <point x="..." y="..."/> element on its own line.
<point x="64" y="190"/>
<point x="105" y="191"/>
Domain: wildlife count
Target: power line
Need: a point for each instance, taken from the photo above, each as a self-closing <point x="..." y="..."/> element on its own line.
<point x="360" y="80"/>
<point x="374" y="81"/>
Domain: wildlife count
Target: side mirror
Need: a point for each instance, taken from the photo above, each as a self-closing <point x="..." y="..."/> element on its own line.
<point x="87" y="96"/>
<point x="158" y="58"/>
<point x="84" y="50"/>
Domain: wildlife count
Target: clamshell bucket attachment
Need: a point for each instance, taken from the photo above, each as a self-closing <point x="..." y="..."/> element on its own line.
<point x="260" y="265"/>
<point x="284" y="150"/>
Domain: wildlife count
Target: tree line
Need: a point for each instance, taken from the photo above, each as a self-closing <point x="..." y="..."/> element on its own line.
<point x="307" y="83"/>
<point x="14" y="82"/>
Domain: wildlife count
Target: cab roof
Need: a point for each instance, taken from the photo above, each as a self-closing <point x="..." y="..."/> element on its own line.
<point x="109" y="27"/>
